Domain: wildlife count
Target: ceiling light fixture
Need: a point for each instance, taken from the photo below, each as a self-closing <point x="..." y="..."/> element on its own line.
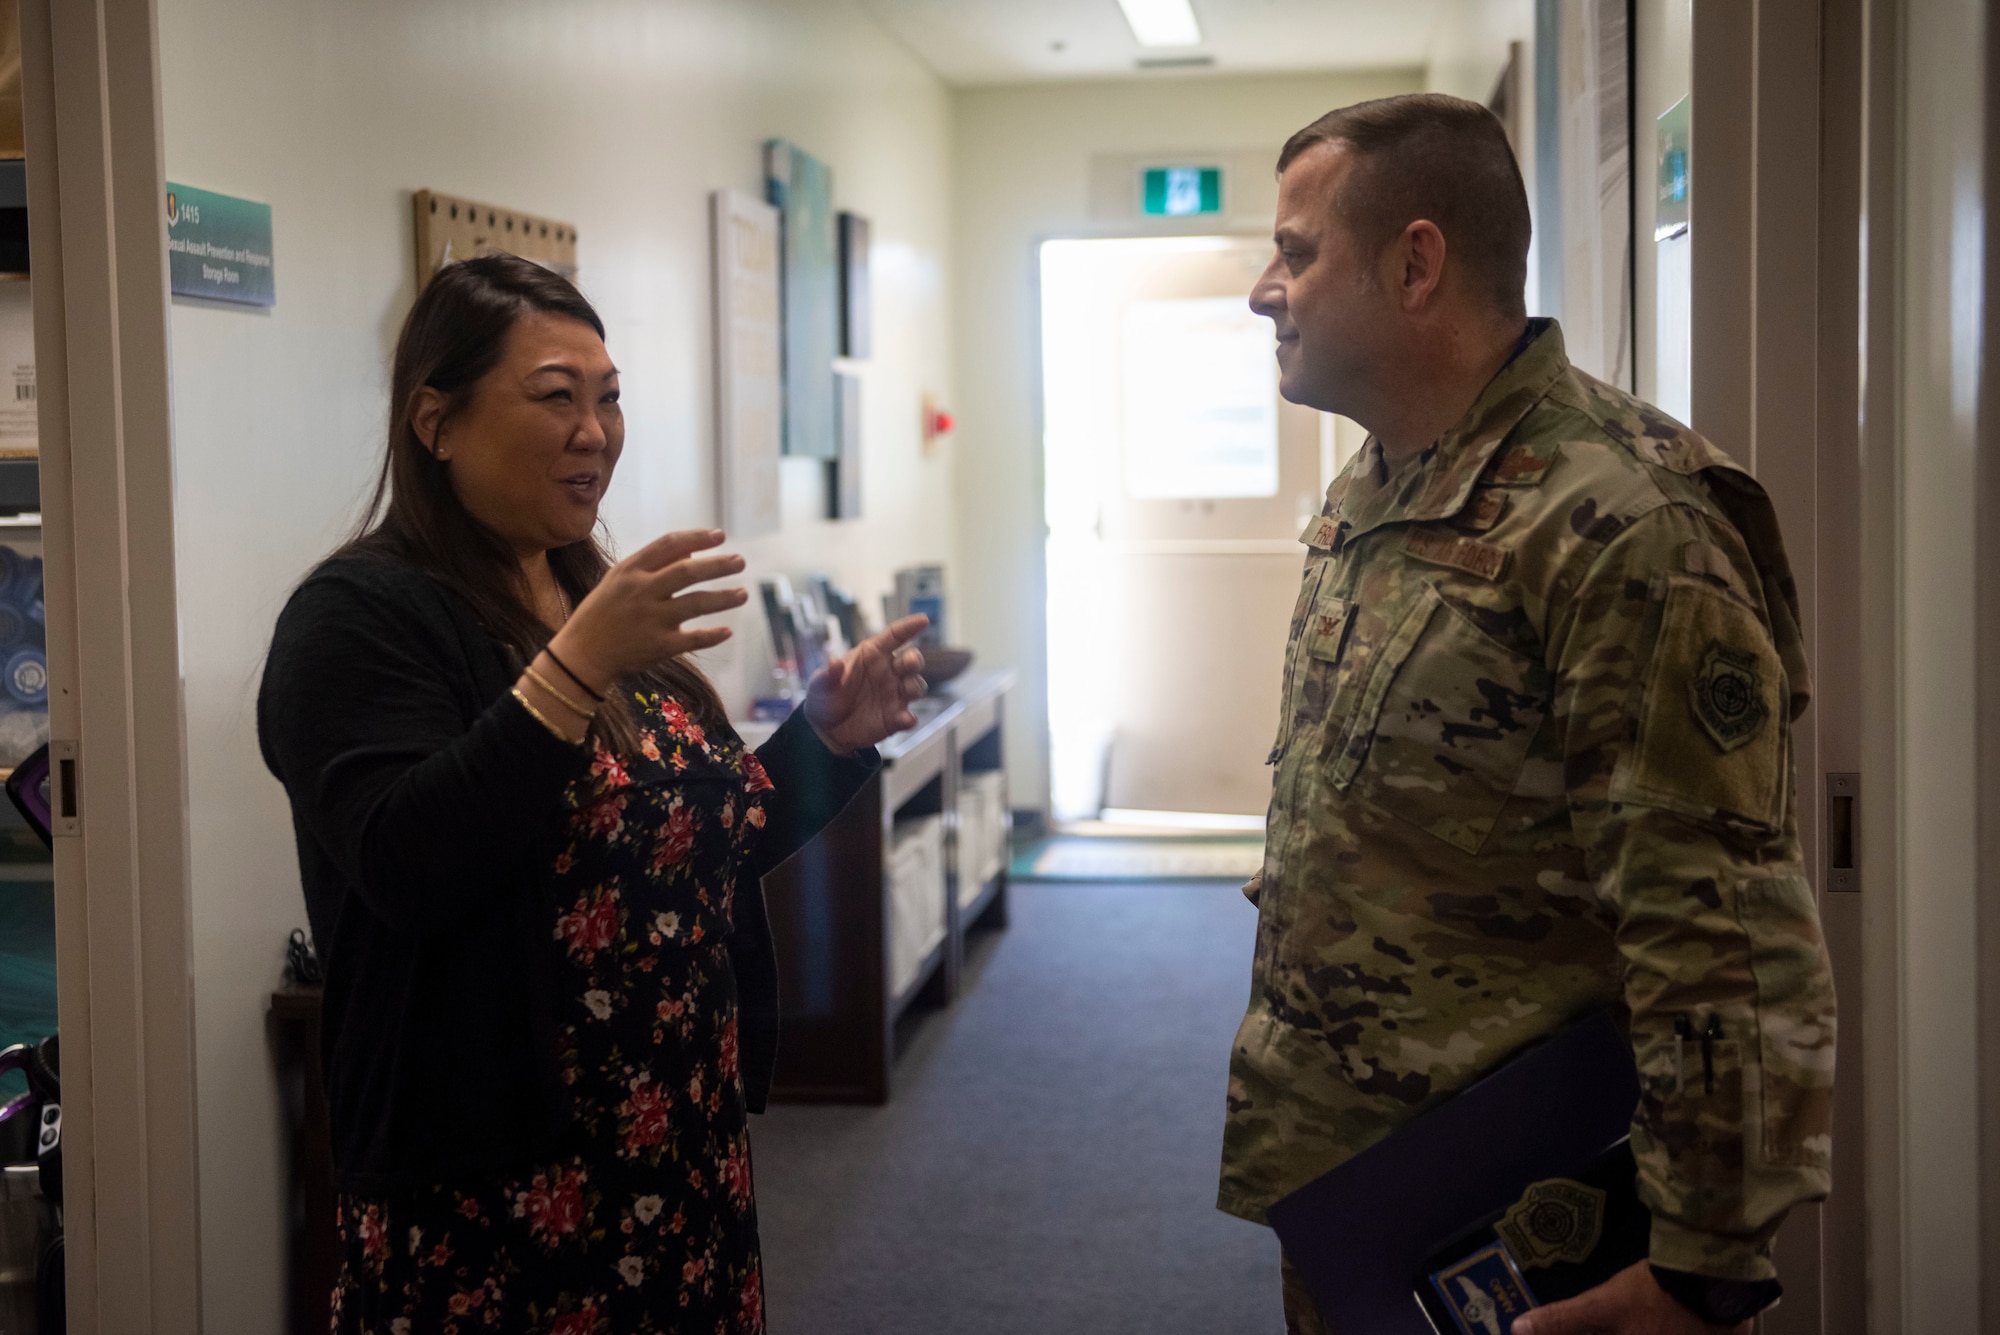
<point x="1162" y="22"/>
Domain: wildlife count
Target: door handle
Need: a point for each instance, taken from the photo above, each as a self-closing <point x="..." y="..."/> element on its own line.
<point x="1843" y="833"/>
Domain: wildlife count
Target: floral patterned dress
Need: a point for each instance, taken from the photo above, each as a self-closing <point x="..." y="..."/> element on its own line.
<point x="649" y="1226"/>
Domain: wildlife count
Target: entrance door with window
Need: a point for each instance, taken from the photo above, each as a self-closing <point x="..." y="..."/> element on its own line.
<point x="1177" y="484"/>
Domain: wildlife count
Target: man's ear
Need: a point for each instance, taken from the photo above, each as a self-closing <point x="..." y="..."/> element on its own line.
<point x="427" y="408"/>
<point x="1420" y="251"/>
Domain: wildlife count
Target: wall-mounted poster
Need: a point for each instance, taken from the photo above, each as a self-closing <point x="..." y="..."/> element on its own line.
<point x="857" y="329"/>
<point x="801" y="186"/>
<point x="20" y="433"/>
<point x="1584" y="174"/>
<point x="844" y="478"/>
<point x="748" y="390"/>
<point x="450" y="228"/>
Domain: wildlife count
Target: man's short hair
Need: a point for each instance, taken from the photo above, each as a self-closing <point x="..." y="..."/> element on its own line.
<point x="1428" y="155"/>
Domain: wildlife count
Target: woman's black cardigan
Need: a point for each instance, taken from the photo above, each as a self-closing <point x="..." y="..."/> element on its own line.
<point x="423" y="799"/>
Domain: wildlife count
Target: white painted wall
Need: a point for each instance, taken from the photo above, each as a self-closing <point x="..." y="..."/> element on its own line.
<point x="617" y="115"/>
<point x="1023" y="157"/>
<point x="1469" y="46"/>
<point x="1468" y="49"/>
<point x="1943" y="221"/>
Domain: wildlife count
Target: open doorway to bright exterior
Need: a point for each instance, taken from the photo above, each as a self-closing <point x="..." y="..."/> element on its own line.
<point x="1177" y="481"/>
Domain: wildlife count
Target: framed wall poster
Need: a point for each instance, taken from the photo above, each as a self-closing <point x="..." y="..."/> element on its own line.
<point x="749" y="392"/>
<point x="857" y="331"/>
<point x="801" y="186"/>
<point x="1586" y="260"/>
<point x="844" y="481"/>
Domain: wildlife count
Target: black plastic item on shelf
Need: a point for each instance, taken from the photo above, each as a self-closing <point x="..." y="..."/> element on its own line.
<point x="20" y="479"/>
<point x="18" y="1115"/>
<point x="28" y="790"/>
<point x="13" y="216"/>
<point x="39" y="1136"/>
<point x="45" y="1080"/>
<point x="51" y="1299"/>
<point x="45" y="1076"/>
<point x="37" y="1109"/>
<point x="302" y="961"/>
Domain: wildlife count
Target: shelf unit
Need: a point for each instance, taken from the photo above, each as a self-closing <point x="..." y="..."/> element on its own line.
<point x="831" y="910"/>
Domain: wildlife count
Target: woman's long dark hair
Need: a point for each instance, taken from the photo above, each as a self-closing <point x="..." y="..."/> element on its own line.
<point x="454" y="335"/>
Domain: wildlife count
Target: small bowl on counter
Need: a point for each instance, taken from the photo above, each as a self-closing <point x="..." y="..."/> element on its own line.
<point x="942" y="663"/>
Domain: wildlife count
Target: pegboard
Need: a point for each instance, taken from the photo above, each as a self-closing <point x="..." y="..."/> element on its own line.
<point x="450" y="228"/>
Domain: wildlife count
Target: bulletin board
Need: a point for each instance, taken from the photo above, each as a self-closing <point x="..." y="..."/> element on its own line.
<point x="749" y="389"/>
<point x="450" y="228"/>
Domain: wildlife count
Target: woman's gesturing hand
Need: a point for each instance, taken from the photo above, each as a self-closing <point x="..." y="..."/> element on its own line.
<point x="636" y="617"/>
<point x="859" y="699"/>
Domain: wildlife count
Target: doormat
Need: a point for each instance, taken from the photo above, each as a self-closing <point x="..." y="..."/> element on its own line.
<point x="1128" y="859"/>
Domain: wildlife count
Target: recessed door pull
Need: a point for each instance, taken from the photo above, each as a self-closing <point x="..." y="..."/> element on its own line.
<point x="1843" y="833"/>
<point x="65" y="818"/>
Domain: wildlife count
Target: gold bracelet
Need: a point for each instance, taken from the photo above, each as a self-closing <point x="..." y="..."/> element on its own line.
<point x="541" y="719"/>
<point x="568" y="703"/>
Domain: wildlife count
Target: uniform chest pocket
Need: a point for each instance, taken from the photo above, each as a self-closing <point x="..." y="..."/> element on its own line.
<point x="1319" y="628"/>
<point x="1444" y="725"/>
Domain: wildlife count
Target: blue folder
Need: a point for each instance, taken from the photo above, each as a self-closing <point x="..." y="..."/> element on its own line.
<point x="1368" y="1236"/>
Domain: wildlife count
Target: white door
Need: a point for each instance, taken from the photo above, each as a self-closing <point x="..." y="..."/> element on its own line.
<point x="1177" y="484"/>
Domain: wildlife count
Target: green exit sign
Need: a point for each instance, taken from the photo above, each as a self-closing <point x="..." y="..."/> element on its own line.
<point x="1174" y="192"/>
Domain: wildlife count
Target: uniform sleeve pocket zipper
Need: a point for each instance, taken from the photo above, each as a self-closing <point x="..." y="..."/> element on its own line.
<point x="1683" y="1032"/>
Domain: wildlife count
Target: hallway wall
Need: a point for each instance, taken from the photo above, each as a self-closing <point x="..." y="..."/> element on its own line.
<point x="1023" y="175"/>
<point x="616" y="115"/>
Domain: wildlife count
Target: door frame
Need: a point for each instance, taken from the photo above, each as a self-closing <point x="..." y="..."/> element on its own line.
<point x="96" y="186"/>
<point x="1986" y="592"/>
<point x="1840" y="124"/>
<point x="1777" y="216"/>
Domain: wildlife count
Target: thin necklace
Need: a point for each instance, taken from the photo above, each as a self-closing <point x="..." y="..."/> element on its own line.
<point x="562" y="598"/>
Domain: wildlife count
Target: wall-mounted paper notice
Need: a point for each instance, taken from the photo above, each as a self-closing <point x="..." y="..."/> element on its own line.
<point x="19" y="435"/>
<point x="749" y="413"/>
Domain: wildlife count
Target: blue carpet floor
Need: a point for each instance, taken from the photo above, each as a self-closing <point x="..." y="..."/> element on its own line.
<point x="1048" y="1161"/>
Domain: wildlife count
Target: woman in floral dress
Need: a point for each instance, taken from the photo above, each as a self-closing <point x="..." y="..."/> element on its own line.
<point x="532" y="849"/>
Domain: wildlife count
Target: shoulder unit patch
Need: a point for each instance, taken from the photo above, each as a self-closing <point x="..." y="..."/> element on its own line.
<point x="1728" y="696"/>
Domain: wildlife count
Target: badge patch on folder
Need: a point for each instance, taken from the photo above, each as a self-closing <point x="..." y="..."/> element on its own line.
<point x="1484" y="1292"/>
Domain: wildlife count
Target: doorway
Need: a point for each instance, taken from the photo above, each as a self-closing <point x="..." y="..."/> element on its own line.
<point x="1176" y="483"/>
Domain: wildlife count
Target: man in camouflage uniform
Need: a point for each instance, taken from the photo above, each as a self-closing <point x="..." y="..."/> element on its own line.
<point x="1535" y="755"/>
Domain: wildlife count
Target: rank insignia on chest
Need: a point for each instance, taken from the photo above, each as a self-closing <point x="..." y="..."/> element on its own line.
<point x="1483" y="1293"/>
<point x="1728" y="696"/>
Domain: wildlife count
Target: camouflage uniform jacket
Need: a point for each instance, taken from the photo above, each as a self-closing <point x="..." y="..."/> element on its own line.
<point x="1535" y="758"/>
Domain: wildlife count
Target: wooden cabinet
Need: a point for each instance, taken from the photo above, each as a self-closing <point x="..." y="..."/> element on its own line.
<point x="315" y="1241"/>
<point x="834" y="906"/>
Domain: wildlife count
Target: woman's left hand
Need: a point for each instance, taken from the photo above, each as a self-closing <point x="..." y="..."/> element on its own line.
<point x="859" y="699"/>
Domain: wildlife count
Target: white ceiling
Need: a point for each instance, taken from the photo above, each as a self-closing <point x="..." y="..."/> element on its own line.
<point x="1019" y="41"/>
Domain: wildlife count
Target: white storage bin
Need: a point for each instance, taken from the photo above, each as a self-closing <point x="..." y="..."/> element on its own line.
<point x="916" y="896"/>
<point x="984" y="822"/>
